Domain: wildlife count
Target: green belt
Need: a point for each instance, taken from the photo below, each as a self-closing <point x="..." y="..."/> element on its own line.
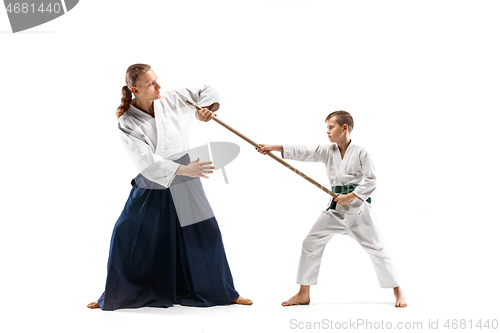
<point x="344" y="189"/>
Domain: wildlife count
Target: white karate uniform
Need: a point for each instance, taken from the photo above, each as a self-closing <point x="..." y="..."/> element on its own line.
<point x="354" y="219"/>
<point x="153" y="144"/>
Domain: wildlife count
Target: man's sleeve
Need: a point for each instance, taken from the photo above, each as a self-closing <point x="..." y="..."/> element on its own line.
<point x="203" y="96"/>
<point x="152" y="166"/>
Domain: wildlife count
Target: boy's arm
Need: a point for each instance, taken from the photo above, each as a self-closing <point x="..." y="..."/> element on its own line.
<point x="369" y="183"/>
<point x="298" y="152"/>
<point x="265" y="148"/>
<point x="344" y="199"/>
<point x="306" y="154"/>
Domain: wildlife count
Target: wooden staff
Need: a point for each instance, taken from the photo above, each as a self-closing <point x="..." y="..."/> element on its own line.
<point x="256" y="145"/>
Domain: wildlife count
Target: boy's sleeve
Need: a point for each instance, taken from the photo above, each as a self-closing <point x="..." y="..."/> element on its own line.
<point x="306" y="154"/>
<point x="369" y="183"/>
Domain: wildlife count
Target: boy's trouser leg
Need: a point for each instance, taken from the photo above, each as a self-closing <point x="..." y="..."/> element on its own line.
<point x="363" y="228"/>
<point x="313" y="246"/>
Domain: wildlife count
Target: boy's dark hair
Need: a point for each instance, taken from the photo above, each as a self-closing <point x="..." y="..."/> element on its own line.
<point x="342" y="117"/>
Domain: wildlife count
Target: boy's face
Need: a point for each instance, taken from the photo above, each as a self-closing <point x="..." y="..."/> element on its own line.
<point x="334" y="130"/>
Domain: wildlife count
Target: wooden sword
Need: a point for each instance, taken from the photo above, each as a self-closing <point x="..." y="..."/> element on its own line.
<point x="276" y="158"/>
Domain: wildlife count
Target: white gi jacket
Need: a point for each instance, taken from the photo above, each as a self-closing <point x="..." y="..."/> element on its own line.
<point x="355" y="168"/>
<point x="153" y="143"/>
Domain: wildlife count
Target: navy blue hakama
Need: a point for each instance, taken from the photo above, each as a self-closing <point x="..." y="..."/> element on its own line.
<point x="155" y="262"/>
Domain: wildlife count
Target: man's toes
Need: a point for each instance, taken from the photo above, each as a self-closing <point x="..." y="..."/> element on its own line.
<point x="242" y="301"/>
<point x="93" y="305"/>
<point x="245" y="301"/>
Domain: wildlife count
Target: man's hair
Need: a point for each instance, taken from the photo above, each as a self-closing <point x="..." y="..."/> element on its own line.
<point x="131" y="77"/>
<point x="342" y="117"/>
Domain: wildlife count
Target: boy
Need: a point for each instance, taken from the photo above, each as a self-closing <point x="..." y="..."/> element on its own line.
<point x="351" y="173"/>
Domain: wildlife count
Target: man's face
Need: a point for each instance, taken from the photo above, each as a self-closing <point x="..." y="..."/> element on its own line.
<point x="146" y="87"/>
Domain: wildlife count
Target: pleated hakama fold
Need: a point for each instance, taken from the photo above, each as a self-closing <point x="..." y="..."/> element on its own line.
<point x="155" y="262"/>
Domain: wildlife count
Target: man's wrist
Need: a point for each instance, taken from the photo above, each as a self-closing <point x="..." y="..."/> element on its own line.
<point x="180" y="170"/>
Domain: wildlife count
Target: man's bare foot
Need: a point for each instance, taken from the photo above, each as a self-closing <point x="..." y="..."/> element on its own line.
<point x="400" y="300"/>
<point x="93" y="305"/>
<point x="242" y="301"/>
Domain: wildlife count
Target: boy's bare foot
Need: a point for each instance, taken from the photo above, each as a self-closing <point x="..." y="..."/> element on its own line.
<point x="93" y="305"/>
<point x="299" y="299"/>
<point x="400" y="300"/>
<point x="242" y="300"/>
<point x="302" y="297"/>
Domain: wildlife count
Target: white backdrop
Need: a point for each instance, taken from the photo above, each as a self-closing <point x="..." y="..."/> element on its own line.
<point x="421" y="80"/>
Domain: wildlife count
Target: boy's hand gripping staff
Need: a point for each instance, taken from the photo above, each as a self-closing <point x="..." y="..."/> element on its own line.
<point x="256" y="145"/>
